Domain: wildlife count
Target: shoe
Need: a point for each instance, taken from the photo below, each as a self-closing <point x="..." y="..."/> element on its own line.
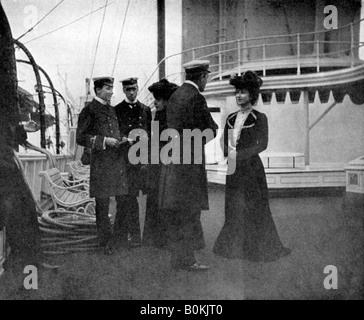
<point x="195" y="267"/>
<point x="285" y="252"/>
<point x="47" y="266"/>
<point x="198" y="267"/>
<point x="108" y="250"/>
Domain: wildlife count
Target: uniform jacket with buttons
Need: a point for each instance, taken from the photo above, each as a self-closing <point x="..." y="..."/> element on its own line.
<point x="108" y="168"/>
<point x="139" y="117"/>
<point x="184" y="184"/>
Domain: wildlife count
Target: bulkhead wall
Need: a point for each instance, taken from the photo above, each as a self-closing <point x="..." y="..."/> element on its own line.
<point x="337" y="138"/>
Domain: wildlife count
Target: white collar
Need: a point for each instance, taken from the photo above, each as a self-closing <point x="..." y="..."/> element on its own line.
<point x="101" y="100"/>
<point x="193" y="84"/>
<point x="129" y="102"/>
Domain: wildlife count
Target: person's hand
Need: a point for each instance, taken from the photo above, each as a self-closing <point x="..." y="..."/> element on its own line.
<point x="233" y="154"/>
<point x="125" y="139"/>
<point x="31" y="126"/>
<point x="112" y="142"/>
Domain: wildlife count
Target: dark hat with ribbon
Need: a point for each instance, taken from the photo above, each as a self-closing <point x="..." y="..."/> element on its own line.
<point x="129" y="81"/>
<point x="197" y="66"/>
<point x="248" y="80"/>
<point x="99" y="82"/>
<point x="163" y="89"/>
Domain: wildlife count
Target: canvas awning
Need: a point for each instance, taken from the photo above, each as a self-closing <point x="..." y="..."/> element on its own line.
<point x="355" y="91"/>
<point x="347" y="81"/>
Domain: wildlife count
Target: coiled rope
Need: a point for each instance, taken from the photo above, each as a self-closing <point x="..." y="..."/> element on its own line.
<point x="67" y="231"/>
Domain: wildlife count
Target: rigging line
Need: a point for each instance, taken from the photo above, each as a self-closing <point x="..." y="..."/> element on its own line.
<point x="97" y="44"/>
<point x="121" y="33"/>
<point x="88" y="42"/>
<point x="66" y="25"/>
<point x="114" y="35"/>
<point x="39" y="21"/>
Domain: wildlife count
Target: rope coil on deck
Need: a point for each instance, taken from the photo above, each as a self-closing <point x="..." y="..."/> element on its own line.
<point x="67" y="231"/>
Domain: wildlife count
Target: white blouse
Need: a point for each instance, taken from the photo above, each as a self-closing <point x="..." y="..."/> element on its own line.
<point x="238" y="126"/>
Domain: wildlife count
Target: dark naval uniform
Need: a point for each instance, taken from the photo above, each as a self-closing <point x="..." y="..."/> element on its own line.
<point x="183" y="186"/>
<point x="136" y="116"/>
<point x="108" y="169"/>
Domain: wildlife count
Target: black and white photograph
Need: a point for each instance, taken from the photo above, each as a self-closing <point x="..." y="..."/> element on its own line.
<point x="181" y="153"/>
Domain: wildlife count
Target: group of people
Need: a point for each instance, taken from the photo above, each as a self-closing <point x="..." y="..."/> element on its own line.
<point x="177" y="191"/>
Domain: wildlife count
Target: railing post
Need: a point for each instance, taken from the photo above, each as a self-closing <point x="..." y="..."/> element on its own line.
<point x="317" y="56"/>
<point x="307" y="127"/>
<point x="220" y="66"/>
<point x="193" y="54"/>
<point x="298" y="54"/>
<point x="264" y="70"/>
<point x="239" y="58"/>
<point x="351" y="44"/>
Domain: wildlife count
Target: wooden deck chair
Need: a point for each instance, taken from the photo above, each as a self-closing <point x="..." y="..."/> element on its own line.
<point x="74" y="165"/>
<point x="79" y="172"/>
<point x="68" y="194"/>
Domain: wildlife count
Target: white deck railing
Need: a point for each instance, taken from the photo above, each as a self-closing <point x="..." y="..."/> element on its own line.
<point x="296" y="51"/>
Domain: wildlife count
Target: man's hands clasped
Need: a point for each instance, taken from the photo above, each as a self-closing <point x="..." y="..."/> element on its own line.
<point x="114" y="143"/>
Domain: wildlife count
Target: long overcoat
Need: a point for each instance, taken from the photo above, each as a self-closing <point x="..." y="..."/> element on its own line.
<point x="184" y="184"/>
<point x="139" y="117"/>
<point x="108" y="176"/>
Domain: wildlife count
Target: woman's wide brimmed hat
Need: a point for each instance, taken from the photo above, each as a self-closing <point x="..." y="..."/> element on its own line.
<point x="248" y="80"/>
<point x="163" y="89"/>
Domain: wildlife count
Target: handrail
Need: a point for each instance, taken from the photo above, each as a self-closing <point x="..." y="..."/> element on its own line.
<point x="302" y="49"/>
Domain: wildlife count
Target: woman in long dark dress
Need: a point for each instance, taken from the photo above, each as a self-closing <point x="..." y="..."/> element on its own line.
<point x="249" y="231"/>
<point x="154" y="233"/>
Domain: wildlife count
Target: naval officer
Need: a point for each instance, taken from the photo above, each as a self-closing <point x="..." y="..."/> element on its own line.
<point x="183" y="189"/>
<point x="132" y="115"/>
<point x="98" y="129"/>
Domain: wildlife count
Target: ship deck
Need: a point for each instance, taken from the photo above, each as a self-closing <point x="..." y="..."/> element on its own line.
<point x="320" y="231"/>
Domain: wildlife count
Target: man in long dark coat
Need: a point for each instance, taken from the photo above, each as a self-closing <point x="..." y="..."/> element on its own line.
<point x="183" y="190"/>
<point x="137" y="117"/>
<point x="98" y="129"/>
